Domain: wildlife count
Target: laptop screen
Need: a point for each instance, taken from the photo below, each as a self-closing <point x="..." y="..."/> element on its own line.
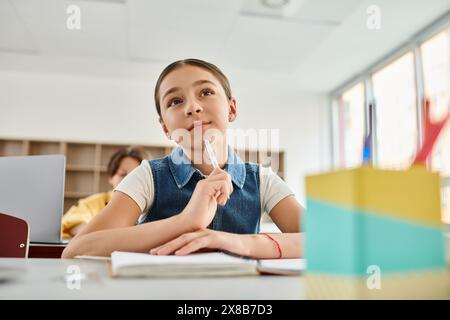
<point x="32" y="188"/>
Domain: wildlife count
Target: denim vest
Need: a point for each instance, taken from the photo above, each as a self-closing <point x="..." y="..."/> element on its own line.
<point x="175" y="179"/>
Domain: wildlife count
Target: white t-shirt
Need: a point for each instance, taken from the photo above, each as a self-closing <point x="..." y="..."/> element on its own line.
<point x="139" y="186"/>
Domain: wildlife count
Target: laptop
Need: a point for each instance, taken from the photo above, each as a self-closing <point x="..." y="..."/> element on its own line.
<point x="32" y="188"/>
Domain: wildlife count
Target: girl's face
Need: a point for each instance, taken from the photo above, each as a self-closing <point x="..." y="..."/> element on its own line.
<point x="191" y="94"/>
<point x="126" y="166"/>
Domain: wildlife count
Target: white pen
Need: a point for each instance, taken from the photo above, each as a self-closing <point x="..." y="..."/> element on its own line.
<point x="211" y="155"/>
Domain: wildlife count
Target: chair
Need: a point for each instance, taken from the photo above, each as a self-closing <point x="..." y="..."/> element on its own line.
<point x="14" y="237"/>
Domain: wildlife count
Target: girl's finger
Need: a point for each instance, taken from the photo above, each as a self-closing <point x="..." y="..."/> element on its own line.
<point x="215" y="172"/>
<point x="193" y="246"/>
<point x="166" y="249"/>
<point x="216" y="188"/>
<point x="220" y="176"/>
<point x="224" y="192"/>
<point x="222" y="199"/>
<point x="224" y="176"/>
<point x="175" y="244"/>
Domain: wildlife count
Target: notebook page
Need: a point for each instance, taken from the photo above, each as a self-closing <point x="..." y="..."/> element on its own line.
<point x="283" y="264"/>
<point x="121" y="259"/>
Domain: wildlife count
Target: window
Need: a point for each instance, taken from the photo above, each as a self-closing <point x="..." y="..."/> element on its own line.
<point x="435" y="61"/>
<point x="350" y="126"/>
<point x="393" y="88"/>
<point x="395" y="113"/>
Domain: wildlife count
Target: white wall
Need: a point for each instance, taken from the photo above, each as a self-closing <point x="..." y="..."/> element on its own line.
<point x="54" y="106"/>
<point x="71" y="106"/>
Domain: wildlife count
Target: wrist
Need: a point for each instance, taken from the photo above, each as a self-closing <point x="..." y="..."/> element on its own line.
<point x="253" y="244"/>
<point x="235" y="243"/>
<point x="262" y="247"/>
<point x="187" y="221"/>
<point x="247" y="245"/>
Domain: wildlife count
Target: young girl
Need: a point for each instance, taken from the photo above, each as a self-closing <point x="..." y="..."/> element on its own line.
<point x="122" y="162"/>
<point x="182" y="203"/>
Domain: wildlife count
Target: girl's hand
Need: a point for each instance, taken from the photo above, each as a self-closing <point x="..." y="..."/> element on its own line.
<point x="208" y="193"/>
<point x="203" y="239"/>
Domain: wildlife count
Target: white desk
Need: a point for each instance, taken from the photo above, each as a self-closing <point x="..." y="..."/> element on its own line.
<point x="46" y="279"/>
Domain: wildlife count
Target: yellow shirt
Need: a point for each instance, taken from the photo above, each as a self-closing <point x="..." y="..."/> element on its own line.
<point x="84" y="211"/>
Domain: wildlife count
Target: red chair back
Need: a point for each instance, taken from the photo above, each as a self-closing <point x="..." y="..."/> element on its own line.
<point x="14" y="237"/>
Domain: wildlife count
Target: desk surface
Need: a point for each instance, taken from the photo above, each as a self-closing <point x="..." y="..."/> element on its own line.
<point x="48" y="279"/>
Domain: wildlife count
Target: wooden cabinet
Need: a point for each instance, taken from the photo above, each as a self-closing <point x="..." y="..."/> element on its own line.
<point x="86" y="163"/>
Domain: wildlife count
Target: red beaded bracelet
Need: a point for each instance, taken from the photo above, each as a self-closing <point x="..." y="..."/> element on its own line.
<point x="276" y="243"/>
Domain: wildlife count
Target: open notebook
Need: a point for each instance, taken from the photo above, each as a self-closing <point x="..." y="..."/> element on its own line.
<point x="129" y="264"/>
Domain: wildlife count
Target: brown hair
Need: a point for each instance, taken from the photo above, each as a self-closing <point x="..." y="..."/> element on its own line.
<point x="196" y="63"/>
<point x="115" y="160"/>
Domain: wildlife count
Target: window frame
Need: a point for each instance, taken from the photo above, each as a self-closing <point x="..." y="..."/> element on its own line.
<point x="413" y="45"/>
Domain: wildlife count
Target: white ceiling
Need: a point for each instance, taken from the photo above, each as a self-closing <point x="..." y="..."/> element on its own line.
<point x="352" y="47"/>
<point x="317" y="46"/>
